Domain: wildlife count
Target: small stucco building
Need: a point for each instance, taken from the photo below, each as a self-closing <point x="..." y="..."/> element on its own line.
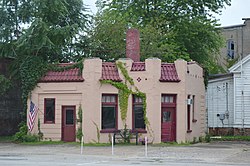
<point x="175" y="98"/>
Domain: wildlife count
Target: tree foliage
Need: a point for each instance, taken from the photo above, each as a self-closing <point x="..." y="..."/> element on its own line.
<point x="38" y="32"/>
<point x="170" y="29"/>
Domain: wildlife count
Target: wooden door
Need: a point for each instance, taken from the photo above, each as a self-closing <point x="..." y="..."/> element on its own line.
<point x="168" y="124"/>
<point x="68" y="123"/>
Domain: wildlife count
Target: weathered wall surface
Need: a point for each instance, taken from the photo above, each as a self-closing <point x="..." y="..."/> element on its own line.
<point x="10" y="105"/>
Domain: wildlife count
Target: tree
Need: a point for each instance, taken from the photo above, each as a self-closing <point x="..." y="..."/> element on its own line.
<point x="37" y="32"/>
<point x="44" y="28"/>
<point x="181" y="28"/>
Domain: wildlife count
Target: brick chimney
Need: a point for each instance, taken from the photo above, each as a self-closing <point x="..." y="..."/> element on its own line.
<point x="133" y="45"/>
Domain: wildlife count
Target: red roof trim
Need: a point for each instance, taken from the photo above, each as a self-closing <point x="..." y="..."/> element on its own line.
<point x="70" y="75"/>
<point x="110" y="72"/>
<point x="138" y="66"/>
<point x="169" y="73"/>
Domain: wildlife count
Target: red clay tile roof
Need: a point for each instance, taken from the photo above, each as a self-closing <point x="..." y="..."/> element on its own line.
<point x="110" y="72"/>
<point x="168" y="73"/>
<point x="71" y="75"/>
<point x="138" y="66"/>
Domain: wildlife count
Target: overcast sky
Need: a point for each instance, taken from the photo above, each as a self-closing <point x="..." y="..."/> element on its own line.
<point x="231" y="15"/>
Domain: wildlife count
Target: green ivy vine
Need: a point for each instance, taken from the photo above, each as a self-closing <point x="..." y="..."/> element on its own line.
<point x="124" y="91"/>
<point x="31" y="70"/>
<point x="5" y="84"/>
<point x="79" y="133"/>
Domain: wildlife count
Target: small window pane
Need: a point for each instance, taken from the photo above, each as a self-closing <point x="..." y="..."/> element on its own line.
<point x="69" y="117"/>
<point x="166" y="116"/>
<point x="108" y="117"/>
<point x="112" y="99"/>
<point x="162" y="99"/>
<point x="49" y="110"/>
<point x="107" y="99"/>
<point x="139" y="117"/>
<point x="166" y="99"/>
<point x="171" y="99"/>
<point x="137" y="99"/>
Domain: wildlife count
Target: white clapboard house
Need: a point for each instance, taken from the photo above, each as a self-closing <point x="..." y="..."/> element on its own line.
<point x="228" y="100"/>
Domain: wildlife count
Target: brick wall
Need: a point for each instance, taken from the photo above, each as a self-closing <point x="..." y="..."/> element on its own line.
<point x="228" y="131"/>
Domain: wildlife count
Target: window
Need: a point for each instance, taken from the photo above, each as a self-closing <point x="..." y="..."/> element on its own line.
<point x="193" y="108"/>
<point x="109" y="112"/>
<point x="167" y="99"/>
<point x="230" y="49"/>
<point x="189" y="116"/>
<point x="49" y="110"/>
<point x="138" y="114"/>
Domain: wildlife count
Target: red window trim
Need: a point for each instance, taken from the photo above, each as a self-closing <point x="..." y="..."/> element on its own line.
<point x="193" y="109"/>
<point x="45" y="121"/>
<point x="139" y="131"/>
<point x="116" y="113"/>
<point x="134" y="130"/>
<point x="173" y="104"/>
<point x="108" y="131"/>
<point x="188" y="117"/>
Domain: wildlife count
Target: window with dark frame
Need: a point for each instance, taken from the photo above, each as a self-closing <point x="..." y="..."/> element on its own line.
<point x="109" y="112"/>
<point x="167" y="99"/>
<point x="230" y="49"/>
<point x="138" y="114"/>
<point x="193" y="109"/>
<point x="49" y="110"/>
<point x="189" y="115"/>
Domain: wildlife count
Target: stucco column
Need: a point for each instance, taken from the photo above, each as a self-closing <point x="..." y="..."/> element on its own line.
<point x="181" y="108"/>
<point x="92" y="73"/>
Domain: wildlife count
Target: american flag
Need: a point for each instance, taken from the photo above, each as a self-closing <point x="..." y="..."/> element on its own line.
<point x="32" y="115"/>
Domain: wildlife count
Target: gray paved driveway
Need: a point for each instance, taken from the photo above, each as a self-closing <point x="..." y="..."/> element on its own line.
<point x="217" y="153"/>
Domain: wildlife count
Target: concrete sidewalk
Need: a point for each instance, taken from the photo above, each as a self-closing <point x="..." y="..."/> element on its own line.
<point x="217" y="153"/>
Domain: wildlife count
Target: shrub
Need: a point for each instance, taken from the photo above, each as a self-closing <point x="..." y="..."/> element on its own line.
<point x="208" y="138"/>
<point x="23" y="129"/>
<point x="31" y="138"/>
<point x="79" y="134"/>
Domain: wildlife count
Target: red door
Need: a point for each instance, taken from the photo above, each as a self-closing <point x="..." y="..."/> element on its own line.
<point x="68" y="123"/>
<point x="168" y="124"/>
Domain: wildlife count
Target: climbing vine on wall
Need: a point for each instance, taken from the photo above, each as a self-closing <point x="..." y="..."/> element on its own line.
<point x="5" y="84"/>
<point x="31" y="70"/>
<point x="79" y="133"/>
<point x="124" y="91"/>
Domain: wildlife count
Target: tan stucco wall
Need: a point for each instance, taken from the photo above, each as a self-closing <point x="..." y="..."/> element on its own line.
<point x="65" y="94"/>
<point x="89" y="92"/>
<point x="195" y="87"/>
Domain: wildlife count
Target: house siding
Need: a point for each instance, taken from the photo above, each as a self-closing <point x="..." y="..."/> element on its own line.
<point x="220" y="100"/>
<point x="242" y="97"/>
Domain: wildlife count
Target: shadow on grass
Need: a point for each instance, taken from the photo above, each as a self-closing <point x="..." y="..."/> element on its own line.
<point x="6" y="138"/>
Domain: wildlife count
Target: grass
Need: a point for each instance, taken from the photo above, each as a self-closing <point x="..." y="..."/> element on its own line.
<point x="43" y="143"/>
<point x="6" y="138"/>
<point x="232" y="138"/>
<point x="172" y="144"/>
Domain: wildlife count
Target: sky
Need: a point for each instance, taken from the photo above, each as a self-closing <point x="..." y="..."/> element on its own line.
<point x="231" y="15"/>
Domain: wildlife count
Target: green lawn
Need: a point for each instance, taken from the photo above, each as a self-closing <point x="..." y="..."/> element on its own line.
<point x="232" y="138"/>
<point x="6" y="138"/>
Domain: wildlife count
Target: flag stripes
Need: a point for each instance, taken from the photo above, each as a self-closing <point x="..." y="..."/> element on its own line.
<point x="32" y="115"/>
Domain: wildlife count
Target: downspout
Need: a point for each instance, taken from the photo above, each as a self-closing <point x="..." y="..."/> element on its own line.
<point x="227" y="111"/>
